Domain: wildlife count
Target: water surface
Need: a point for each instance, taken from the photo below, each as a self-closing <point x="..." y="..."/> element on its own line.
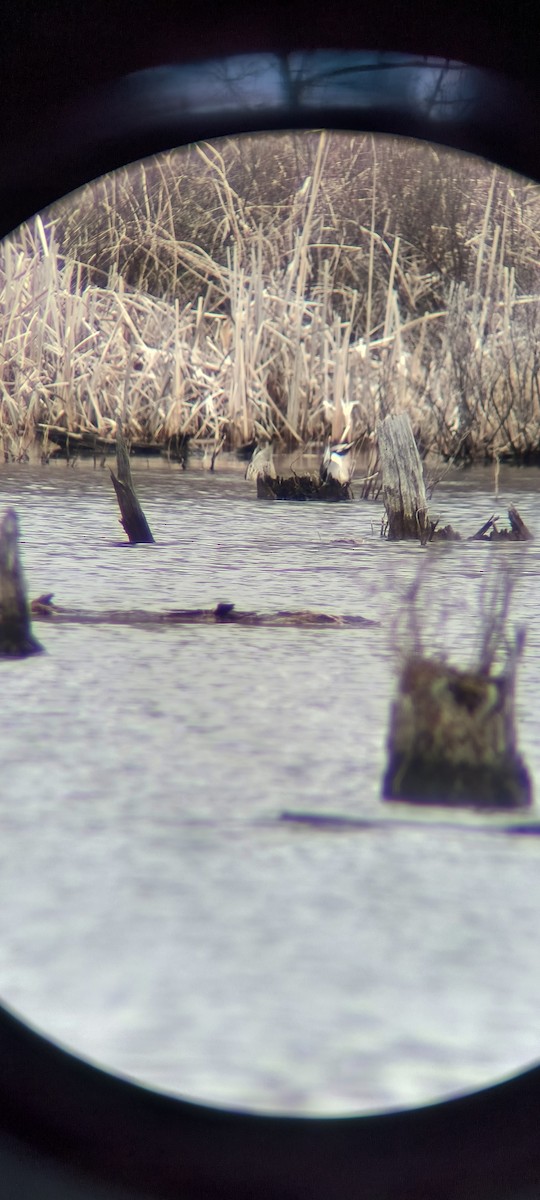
<point x="156" y="916"/>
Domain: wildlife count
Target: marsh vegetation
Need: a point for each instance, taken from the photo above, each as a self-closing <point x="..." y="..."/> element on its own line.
<point x="290" y="285"/>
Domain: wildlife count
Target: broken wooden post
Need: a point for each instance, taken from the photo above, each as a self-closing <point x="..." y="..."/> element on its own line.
<point x="518" y="531"/>
<point x="132" y="518"/>
<point x="452" y="737"/>
<point x="16" y="638"/>
<point x="403" y="487"/>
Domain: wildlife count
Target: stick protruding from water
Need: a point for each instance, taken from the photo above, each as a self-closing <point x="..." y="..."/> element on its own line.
<point x="132" y="516"/>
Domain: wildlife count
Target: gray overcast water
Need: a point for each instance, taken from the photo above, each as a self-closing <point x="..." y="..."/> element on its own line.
<point x="155" y="915"/>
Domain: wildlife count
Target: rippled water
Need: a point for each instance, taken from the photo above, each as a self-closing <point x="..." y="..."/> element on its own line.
<point x="155" y="914"/>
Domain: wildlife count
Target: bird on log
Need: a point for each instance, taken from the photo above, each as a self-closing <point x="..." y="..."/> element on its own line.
<point x="337" y="462"/>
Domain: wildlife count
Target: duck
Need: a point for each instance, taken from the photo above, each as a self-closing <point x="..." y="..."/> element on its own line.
<point x="261" y="464"/>
<point x="337" y="462"/>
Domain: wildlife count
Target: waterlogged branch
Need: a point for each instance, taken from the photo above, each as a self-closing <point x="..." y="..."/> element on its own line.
<point x="222" y="614"/>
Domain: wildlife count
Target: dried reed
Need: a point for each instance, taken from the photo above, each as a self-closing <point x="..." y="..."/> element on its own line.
<point x="229" y="292"/>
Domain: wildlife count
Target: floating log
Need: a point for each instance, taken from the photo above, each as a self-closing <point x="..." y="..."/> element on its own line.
<point x="16" y="637"/>
<point x="302" y="487"/>
<point x="452" y="739"/>
<point x="132" y="518"/>
<point x="222" y="614"/>
<point x="403" y="487"/>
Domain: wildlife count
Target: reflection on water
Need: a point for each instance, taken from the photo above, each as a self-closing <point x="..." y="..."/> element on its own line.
<point x="155" y="915"/>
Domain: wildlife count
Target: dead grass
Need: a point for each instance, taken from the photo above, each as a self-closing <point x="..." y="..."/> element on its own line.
<point x="281" y="317"/>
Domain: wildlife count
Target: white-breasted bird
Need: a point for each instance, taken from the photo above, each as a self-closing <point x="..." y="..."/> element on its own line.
<point x="337" y="462"/>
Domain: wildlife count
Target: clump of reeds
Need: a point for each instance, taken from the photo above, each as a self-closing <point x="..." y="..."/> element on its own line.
<point x="232" y="292"/>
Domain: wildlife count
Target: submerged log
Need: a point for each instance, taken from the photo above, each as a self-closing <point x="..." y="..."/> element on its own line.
<point x="132" y="516"/>
<point x="452" y="739"/>
<point x="337" y="822"/>
<point x="222" y="614"/>
<point x="16" y="638"/>
<point x="403" y="487"/>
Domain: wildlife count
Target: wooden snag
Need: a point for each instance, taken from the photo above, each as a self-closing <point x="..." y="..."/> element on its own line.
<point x="518" y="531"/>
<point x="16" y="637"/>
<point x="452" y="740"/>
<point x="403" y="486"/>
<point x="132" y="516"/>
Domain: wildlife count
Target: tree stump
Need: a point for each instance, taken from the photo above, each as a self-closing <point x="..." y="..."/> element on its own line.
<point x="518" y="531"/>
<point x="301" y="487"/>
<point x="132" y="516"/>
<point x="403" y="487"/>
<point x="452" y="739"/>
<point x="16" y="638"/>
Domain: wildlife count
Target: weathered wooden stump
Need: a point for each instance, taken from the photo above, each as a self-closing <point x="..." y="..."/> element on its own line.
<point x="403" y="487"/>
<point x="452" y="739"/>
<point x="490" y="532"/>
<point x="16" y="638"/>
<point x="132" y="516"/>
